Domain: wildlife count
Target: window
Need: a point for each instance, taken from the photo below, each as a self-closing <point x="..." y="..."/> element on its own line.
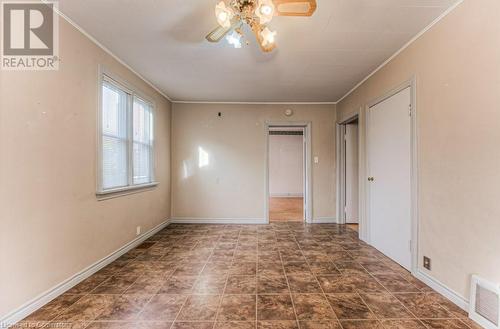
<point x="126" y="139"/>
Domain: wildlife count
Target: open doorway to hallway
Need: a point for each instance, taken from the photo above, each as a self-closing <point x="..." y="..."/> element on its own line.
<point x="286" y="174"/>
<point x="349" y="172"/>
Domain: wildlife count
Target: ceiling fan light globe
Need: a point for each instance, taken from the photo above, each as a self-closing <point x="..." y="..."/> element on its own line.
<point x="234" y="39"/>
<point x="224" y="14"/>
<point x="265" y="11"/>
<point x="268" y="37"/>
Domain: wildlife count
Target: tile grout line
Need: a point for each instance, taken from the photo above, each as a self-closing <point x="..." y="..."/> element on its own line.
<point x="361" y="297"/>
<point x="342" y="274"/>
<point x="364" y="301"/>
<point x="157" y="292"/>
<point x="323" y="292"/>
<point x="257" y="281"/>
<point x="392" y="294"/>
<point x="108" y="279"/>
<point x="145" y="304"/>
<point x="227" y="279"/>
<point x="169" y="276"/>
<point x="194" y="284"/>
<point x="288" y="283"/>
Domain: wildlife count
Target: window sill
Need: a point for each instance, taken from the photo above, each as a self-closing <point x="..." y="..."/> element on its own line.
<point x="122" y="191"/>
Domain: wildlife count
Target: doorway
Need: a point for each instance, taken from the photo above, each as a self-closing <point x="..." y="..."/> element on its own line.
<point x="389" y="176"/>
<point x="288" y="172"/>
<point x="351" y="206"/>
<point x="349" y="172"/>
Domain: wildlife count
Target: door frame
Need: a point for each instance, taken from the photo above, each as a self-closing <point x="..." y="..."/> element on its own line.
<point x="306" y="125"/>
<point x="340" y="131"/>
<point x="365" y="220"/>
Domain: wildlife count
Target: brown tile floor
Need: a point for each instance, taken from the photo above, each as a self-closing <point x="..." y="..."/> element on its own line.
<point x="278" y="276"/>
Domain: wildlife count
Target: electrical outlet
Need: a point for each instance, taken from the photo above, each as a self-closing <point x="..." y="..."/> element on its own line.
<point x="427" y="263"/>
<point x="138" y="230"/>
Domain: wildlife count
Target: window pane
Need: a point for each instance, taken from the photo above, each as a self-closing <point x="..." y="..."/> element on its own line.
<point x="114" y="138"/>
<point x="114" y="111"/>
<point x="143" y="121"/>
<point x="142" y="141"/>
<point x="114" y="162"/>
<point x="142" y="163"/>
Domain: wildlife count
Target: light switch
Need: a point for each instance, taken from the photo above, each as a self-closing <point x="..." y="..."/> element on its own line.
<point x="316" y="160"/>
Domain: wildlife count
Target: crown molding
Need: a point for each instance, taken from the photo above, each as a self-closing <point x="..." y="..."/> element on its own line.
<point x="254" y="103"/>
<point x="409" y="43"/>
<point x="109" y="52"/>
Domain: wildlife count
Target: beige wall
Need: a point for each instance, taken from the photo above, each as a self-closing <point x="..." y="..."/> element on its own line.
<point x="233" y="184"/>
<point x="52" y="226"/>
<point x="457" y="67"/>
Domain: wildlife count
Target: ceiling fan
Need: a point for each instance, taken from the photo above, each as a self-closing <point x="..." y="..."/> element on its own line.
<point x="232" y="14"/>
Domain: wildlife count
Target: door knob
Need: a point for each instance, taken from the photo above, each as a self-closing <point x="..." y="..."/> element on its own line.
<point x="371" y="179"/>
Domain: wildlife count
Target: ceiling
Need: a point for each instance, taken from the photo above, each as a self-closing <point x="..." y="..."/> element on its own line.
<point x="318" y="59"/>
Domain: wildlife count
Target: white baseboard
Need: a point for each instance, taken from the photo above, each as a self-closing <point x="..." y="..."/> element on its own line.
<point x="240" y="221"/>
<point x="287" y="195"/>
<point x="44" y="298"/>
<point x="441" y="288"/>
<point x="324" y="220"/>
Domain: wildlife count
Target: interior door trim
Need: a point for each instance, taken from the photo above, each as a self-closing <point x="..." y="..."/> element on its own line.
<point x="340" y="160"/>
<point x="308" y="189"/>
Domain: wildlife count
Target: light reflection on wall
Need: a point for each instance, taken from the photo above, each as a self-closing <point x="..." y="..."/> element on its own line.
<point x="203" y="158"/>
<point x="186" y="172"/>
<point x="188" y="168"/>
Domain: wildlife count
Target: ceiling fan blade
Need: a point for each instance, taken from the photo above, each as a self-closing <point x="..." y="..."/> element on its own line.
<point x="217" y="34"/>
<point x="220" y="32"/>
<point x="257" y="28"/>
<point x="295" y="7"/>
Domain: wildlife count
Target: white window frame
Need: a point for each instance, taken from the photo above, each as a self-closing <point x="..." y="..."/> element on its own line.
<point x="108" y="77"/>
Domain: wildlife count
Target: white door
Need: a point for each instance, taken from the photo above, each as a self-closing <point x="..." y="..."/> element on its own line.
<point x="389" y="194"/>
<point x="351" y="173"/>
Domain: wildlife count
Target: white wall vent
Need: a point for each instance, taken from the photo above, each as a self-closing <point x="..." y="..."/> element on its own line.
<point x="484" y="307"/>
